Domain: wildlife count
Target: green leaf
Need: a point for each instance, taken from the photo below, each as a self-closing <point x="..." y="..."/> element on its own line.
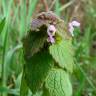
<point x="62" y="52"/>
<point x="34" y="41"/>
<point x="38" y="94"/>
<point x="45" y="92"/>
<point x="3" y="89"/>
<point x="2" y="24"/>
<point x="58" y="83"/>
<point x="62" y="30"/>
<point x="37" y="69"/>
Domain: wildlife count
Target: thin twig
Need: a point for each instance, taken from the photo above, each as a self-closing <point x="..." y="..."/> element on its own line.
<point x="52" y="5"/>
<point x="45" y="5"/>
<point x="66" y="5"/>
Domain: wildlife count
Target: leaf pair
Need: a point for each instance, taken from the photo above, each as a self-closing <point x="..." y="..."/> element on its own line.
<point x="58" y="82"/>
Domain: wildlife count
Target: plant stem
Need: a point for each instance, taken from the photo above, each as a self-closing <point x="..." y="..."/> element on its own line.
<point x="3" y="62"/>
<point x="45" y="5"/>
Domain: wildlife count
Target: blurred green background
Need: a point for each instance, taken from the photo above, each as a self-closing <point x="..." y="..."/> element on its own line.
<point x="15" y="18"/>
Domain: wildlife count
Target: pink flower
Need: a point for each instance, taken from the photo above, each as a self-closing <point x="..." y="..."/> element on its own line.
<point x="51" y="30"/>
<point x="51" y="39"/>
<point x="71" y="29"/>
<point x="72" y="25"/>
<point x="75" y="24"/>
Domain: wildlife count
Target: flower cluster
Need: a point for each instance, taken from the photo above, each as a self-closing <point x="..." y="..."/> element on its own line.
<point x="72" y="25"/>
<point x="51" y="30"/>
<point x="51" y="33"/>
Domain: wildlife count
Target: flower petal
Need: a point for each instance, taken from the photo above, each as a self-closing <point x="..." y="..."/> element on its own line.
<point x="75" y="23"/>
<point x="51" y="39"/>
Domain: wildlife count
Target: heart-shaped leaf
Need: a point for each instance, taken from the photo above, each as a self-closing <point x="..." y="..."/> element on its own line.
<point x="62" y="52"/>
<point x="58" y="83"/>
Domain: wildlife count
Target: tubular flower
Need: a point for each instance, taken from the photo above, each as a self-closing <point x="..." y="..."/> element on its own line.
<point x="51" y="33"/>
<point x="51" y="39"/>
<point x="72" y="25"/>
